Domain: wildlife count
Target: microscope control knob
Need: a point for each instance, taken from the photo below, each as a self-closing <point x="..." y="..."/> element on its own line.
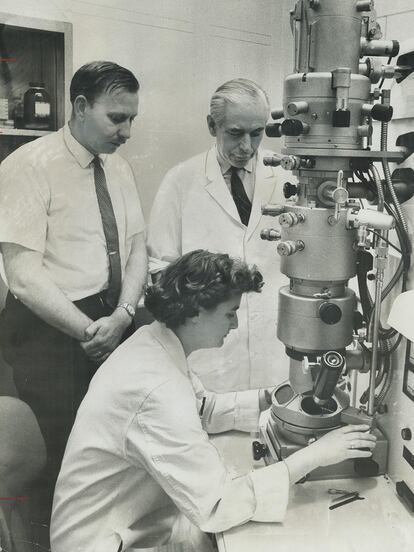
<point x="273" y="209"/>
<point x="406" y="434"/>
<point x="277" y="114"/>
<point x="259" y="450"/>
<point x="295" y="108"/>
<point x="290" y="247"/>
<point x="378" y="112"/>
<point x="294" y="127"/>
<point x="286" y="220"/>
<point x="274" y="130"/>
<point x="272" y="161"/>
<point x="289" y="190"/>
<point x="270" y="234"/>
<point x="330" y="313"/>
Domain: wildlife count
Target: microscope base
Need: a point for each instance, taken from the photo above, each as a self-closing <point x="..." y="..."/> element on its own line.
<point x="278" y="448"/>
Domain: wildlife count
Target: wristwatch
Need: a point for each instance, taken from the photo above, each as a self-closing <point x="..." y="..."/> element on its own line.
<point x="128" y="307"/>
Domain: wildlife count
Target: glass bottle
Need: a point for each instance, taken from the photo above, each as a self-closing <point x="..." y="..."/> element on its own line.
<point x="37" y="107"/>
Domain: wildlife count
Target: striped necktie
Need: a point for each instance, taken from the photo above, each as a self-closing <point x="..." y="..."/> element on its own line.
<point x="243" y="203"/>
<point x="111" y="233"/>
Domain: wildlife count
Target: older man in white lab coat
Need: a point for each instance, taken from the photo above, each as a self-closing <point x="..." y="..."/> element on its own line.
<point x="213" y="201"/>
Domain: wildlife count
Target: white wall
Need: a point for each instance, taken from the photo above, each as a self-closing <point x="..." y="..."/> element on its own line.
<point x="180" y="50"/>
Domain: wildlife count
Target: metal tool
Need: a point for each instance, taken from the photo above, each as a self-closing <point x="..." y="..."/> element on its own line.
<point x="346" y="499"/>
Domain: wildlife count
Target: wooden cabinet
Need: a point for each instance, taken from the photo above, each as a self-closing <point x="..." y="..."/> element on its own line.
<point x="32" y="52"/>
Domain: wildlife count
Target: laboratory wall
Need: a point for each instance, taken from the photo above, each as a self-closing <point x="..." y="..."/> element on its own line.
<point x="180" y="50"/>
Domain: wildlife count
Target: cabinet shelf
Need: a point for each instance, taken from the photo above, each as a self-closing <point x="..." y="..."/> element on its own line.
<point x="22" y="132"/>
<point x="32" y="51"/>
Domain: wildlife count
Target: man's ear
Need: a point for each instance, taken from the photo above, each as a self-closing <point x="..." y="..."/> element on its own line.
<point x="79" y="106"/>
<point x="212" y="127"/>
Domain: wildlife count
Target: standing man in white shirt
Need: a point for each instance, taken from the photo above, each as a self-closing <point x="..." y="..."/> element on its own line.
<point x="139" y="471"/>
<point x="213" y="201"/>
<point x="73" y="247"/>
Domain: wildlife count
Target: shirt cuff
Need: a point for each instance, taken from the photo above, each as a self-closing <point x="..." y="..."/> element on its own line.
<point x="271" y="488"/>
<point x="247" y="412"/>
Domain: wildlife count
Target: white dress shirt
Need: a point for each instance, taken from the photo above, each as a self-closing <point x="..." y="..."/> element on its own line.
<point x="139" y="454"/>
<point x="48" y="204"/>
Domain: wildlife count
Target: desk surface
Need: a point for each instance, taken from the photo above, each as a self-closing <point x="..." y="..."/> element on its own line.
<point x="380" y="523"/>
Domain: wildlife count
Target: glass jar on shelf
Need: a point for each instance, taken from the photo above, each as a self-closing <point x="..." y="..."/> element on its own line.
<point x="37" y="107"/>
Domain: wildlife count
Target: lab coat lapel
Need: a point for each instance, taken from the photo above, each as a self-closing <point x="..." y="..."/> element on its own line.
<point x="217" y="187"/>
<point x="263" y="190"/>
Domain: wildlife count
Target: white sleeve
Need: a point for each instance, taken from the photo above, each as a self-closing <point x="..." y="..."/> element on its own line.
<point x="164" y="228"/>
<point x="166" y="438"/>
<point x="226" y="411"/>
<point x="23" y="204"/>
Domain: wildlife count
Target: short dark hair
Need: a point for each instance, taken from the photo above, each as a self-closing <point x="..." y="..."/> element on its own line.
<point x="97" y="77"/>
<point x="198" y="279"/>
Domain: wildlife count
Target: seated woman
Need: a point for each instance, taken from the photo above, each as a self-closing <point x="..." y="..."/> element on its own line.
<point x="139" y="469"/>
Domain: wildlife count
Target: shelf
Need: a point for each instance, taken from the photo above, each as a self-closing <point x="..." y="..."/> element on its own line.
<point x="22" y="132"/>
<point x="32" y="51"/>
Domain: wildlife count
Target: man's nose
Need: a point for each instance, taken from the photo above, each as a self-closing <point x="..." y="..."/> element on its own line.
<point x="125" y="130"/>
<point x="234" y="323"/>
<point x="246" y="143"/>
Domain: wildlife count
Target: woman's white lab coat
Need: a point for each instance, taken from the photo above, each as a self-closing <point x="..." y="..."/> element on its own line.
<point x="138" y="456"/>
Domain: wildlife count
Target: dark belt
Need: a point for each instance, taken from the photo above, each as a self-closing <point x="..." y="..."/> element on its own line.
<point x="93" y="306"/>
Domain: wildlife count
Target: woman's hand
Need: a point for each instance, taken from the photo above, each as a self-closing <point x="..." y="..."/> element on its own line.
<point x="335" y="446"/>
<point x="343" y="443"/>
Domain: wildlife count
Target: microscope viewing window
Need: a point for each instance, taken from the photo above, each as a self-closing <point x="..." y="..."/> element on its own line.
<point x="408" y="385"/>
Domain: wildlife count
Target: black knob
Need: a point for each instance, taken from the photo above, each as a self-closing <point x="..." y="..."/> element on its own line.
<point x="289" y="190"/>
<point x="330" y="313"/>
<point x="292" y="127"/>
<point x="382" y="113"/>
<point x="259" y="450"/>
<point x="341" y="118"/>
<point x="406" y="434"/>
<point x="274" y="130"/>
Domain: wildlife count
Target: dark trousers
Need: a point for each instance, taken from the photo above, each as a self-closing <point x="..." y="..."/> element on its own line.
<point x="52" y="375"/>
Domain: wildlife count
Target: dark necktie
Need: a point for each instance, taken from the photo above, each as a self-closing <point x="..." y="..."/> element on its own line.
<point x="111" y="233"/>
<point x="243" y="203"/>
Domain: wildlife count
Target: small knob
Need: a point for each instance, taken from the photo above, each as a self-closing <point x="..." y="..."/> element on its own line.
<point x="295" y="108"/>
<point x="273" y="209"/>
<point x="364" y="5"/>
<point x="272" y="161"/>
<point x="290" y="162"/>
<point x="290" y="247"/>
<point x="406" y="434"/>
<point x="277" y="114"/>
<point x="330" y="313"/>
<point x="378" y="112"/>
<point x="286" y="220"/>
<point x="365" y="131"/>
<point x="341" y="118"/>
<point x="270" y="234"/>
<point x="289" y="190"/>
<point x="259" y="450"/>
<point x="294" y="127"/>
<point x="274" y="130"/>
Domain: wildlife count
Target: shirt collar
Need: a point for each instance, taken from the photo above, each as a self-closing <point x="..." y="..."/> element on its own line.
<point x="83" y="156"/>
<point x="225" y="165"/>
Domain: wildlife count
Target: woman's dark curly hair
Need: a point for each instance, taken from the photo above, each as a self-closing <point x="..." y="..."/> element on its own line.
<point x="198" y="279"/>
